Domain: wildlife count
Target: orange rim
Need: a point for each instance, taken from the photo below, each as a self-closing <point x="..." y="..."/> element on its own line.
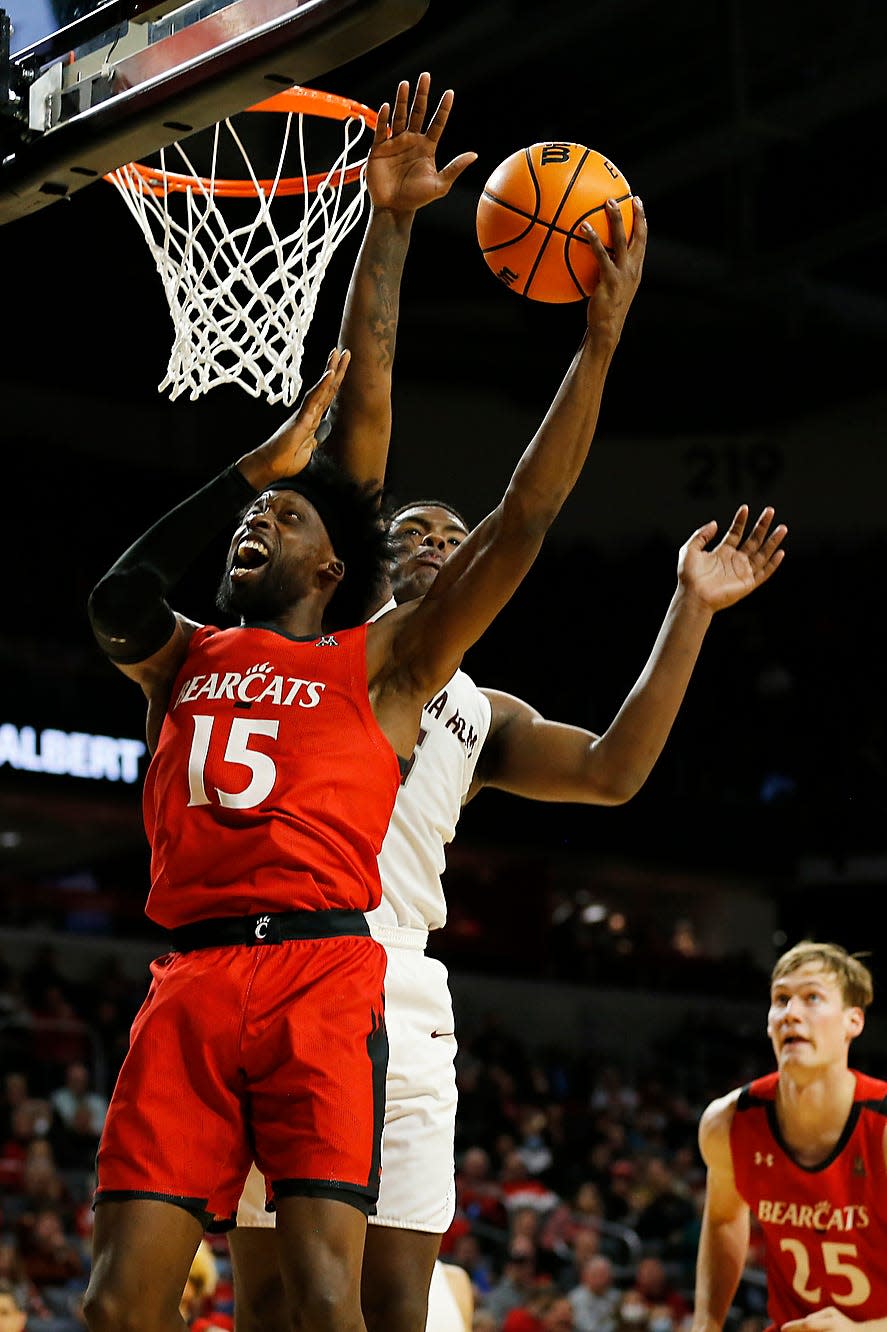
<point x="292" y="101"/>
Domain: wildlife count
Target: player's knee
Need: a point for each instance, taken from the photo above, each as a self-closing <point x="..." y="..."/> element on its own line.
<point x="104" y="1310"/>
<point x="329" y="1294"/>
<point x="330" y="1306"/>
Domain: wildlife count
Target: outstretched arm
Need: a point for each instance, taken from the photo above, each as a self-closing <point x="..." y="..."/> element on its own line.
<point x="402" y="176"/>
<point x="428" y="638"/>
<point x="723" y="1242"/>
<point x="545" y="760"/>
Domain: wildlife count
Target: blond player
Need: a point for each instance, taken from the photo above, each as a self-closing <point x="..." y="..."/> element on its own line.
<point x="803" y="1150"/>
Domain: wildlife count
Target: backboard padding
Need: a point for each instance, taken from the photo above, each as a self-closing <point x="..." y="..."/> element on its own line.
<point x="192" y="79"/>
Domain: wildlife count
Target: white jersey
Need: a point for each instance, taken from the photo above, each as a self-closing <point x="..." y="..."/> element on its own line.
<point x="417" y="1190"/>
<point x="454" y="727"/>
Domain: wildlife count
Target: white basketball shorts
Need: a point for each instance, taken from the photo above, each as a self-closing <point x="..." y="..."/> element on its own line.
<point x="418" y="1168"/>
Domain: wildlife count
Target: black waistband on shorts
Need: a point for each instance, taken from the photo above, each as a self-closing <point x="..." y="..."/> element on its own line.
<point x="267" y="928"/>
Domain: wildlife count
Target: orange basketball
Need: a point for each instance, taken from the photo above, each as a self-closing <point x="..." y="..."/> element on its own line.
<point x="529" y="214"/>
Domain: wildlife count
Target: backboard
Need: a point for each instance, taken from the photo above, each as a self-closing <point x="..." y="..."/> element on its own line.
<point x="87" y="85"/>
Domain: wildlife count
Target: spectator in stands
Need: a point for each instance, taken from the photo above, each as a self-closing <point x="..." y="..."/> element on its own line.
<point x="669" y="1209"/>
<point x="653" y="1285"/>
<point x="595" y="1170"/>
<point x="466" y="1252"/>
<point x="14" y="1012"/>
<point x="521" y="1189"/>
<point x="21" y="1113"/>
<point x="634" y="1312"/>
<point x="76" y="1095"/>
<point x="544" y="1312"/>
<point x="533" y="1145"/>
<point x="621" y="1200"/>
<point x="595" y="1300"/>
<point x="523" y="1319"/>
<point x="613" y="1093"/>
<point x="559" y="1316"/>
<point x="13" y="1313"/>
<point x="75" y="1144"/>
<point x="78" y="1115"/>
<point x="42" y="1185"/>
<point x="50" y="1257"/>
<point x="13" y="1153"/>
<point x="555" y="1242"/>
<point x="588" y="1204"/>
<point x="586" y="1243"/>
<point x="518" y="1282"/>
<point x="60" y="1034"/>
<point x="525" y="1220"/>
<point x="478" y="1194"/>
<point x="12" y="1271"/>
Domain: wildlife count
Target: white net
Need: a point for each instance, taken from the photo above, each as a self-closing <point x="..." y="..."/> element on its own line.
<point x="242" y="297"/>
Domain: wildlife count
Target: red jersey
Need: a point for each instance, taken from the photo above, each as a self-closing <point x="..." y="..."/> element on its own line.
<point x="272" y="784"/>
<point x="824" y="1226"/>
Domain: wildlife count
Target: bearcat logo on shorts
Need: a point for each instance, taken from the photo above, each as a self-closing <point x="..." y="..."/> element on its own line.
<point x="257" y="684"/>
<point x="262" y="926"/>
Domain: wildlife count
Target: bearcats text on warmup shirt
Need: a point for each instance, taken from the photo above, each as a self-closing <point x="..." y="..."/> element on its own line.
<point x="825" y="1226"/>
<point x="272" y="784"/>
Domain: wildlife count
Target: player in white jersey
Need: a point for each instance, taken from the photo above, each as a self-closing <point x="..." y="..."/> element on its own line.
<point x="470" y="738"/>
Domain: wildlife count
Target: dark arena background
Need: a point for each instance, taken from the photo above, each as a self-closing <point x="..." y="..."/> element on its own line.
<point x="609" y="966"/>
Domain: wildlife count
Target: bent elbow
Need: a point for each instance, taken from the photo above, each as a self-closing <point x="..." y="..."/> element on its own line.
<point x="616" y="788"/>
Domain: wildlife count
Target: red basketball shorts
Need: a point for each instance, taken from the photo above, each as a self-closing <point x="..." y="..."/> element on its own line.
<point x="274" y="1053"/>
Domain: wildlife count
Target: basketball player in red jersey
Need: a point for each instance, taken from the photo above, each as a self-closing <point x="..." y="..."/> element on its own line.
<point x="470" y="738"/>
<point x="803" y="1151"/>
<point x="274" y="771"/>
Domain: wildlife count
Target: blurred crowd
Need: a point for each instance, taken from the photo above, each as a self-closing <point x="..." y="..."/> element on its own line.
<point x="579" y="1184"/>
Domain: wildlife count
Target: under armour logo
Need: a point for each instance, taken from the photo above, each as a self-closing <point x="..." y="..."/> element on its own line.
<point x="858" y="1165"/>
<point x="326" y="640"/>
<point x="262" y="926"/>
<point x="761" y="1159"/>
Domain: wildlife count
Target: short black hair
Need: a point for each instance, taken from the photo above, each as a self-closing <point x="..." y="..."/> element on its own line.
<point x="356" y="526"/>
<point x="428" y="504"/>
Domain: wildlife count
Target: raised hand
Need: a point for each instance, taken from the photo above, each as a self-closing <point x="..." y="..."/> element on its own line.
<point x="402" y="174"/>
<point x="620" y="268"/>
<point x="290" y="449"/>
<point x="737" y="565"/>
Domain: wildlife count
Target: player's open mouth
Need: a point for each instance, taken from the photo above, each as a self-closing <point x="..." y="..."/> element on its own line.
<point x="249" y="556"/>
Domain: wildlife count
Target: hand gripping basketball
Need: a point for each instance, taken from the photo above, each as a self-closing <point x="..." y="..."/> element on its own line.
<point x="531" y="213"/>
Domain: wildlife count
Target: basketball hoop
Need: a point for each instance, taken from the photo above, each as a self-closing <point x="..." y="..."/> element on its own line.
<point x="242" y="296"/>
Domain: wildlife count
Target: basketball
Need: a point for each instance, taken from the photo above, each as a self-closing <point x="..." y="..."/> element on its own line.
<point x="529" y="214"/>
